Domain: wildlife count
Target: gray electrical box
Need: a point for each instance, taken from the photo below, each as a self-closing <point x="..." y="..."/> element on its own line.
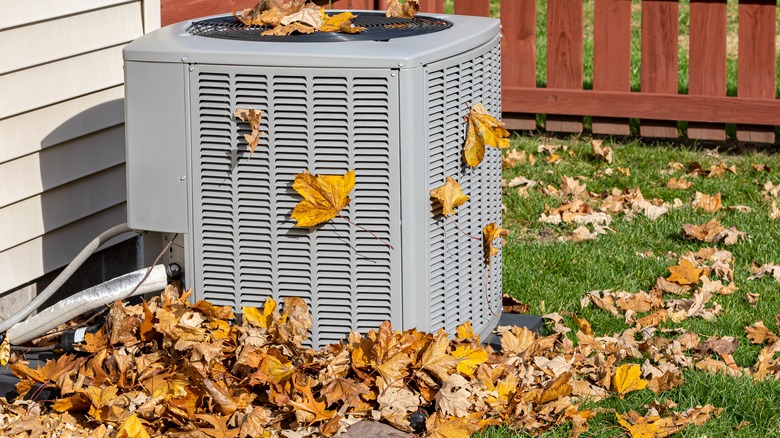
<point x="389" y="103"/>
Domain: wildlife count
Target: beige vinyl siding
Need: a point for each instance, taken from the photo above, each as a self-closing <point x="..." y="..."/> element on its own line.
<point x="54" y="249"/>
<point x="36" y="130"/>
<point x="62" y="151"/>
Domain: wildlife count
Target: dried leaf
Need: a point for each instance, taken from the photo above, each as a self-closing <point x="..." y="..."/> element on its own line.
<point x="253" y="117"/>
<point x="469" y="358"/>
<point x="483" y="130"/>
<point x="449" y="195"/>
<point x="685" y="273"/>
<point x="324" y="196"/>
<point x="341" y="23"/>
<point x="758" y="333"/>
<point x="290" y="29"/>
<point x="601" y="152"/>
<point x="627" y="379"/>
<point x="453" y="397"/>
<point x="708" y="203"/>
<point x="132" y="428"/>
<point x="490" y="233"/>
<point x="679" y="184"/>
<point x="409" y="9"/>
<point x="308" y="16"/>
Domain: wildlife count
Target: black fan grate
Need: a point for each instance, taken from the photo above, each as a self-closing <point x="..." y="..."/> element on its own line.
<point x="378" y="28"/>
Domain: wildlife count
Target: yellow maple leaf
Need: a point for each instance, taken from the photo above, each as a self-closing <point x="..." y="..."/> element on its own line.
<point x="439" y="426"/>
<point x="627" y="379"/>
<point x="264" y="319"/>
<point x="483" y="130"/>
<point x="253" y="117"/>
<point x="489" y="234"/>
<point x="277" y="367"/>
<point x="132" y="428"/>
<point x="435" y="358"/>
<point x="469" y="358"/>
<point x="466" y="332"/>
<point x="449" y="195"/>
<point x="323" y="197"/>
<point x="340" y="23"/>
<point x="685" y="273"/>
<point x="641" y="428"/>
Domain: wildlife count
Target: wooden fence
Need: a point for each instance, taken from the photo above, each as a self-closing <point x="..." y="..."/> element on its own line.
<point x="611" y="102"/>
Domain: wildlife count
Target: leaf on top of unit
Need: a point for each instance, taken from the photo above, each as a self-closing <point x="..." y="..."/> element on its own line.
<point x="341" y="23"/>
<point x="408" y="10"/>
<point x="324" y="196"/>
<point x="483" y="130"/>
<point x="450" y="196"/>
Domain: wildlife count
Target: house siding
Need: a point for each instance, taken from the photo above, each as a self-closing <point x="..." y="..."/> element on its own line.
<point x="62" y="178"/>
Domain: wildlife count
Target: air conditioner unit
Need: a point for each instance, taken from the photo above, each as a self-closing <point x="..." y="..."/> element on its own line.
<point x="388" y="102"/>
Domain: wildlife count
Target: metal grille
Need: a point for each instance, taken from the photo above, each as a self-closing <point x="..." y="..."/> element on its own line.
<point x="456" y="269"/>
<point x="249" y="248"/>
<point x="378" y="28"/>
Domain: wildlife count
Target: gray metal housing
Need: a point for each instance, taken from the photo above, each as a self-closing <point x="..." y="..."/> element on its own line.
<point x="393" y="111"/>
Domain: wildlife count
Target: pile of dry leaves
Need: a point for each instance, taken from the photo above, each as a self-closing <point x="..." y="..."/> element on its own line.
<point x="170" y="368"/>
<point x="284" y="17"/>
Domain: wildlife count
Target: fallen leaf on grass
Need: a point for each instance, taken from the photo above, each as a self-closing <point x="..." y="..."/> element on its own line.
<point x="761" y="168"/>
<point x="765" y="269"/>
<point x="718" y="170"/>
<point x="324" y="196"/>
<point x="678" y="184"/>
<point x="713" y="231"/>
<point x="774" y="213"/>
<point x="654" y="426"/>
<point x="752" y="298"/>
<point x="708" y="203"/>
<point x="515" y="157"/>
<point x="450" y="195"/>
<point x="758" y="333"/>
<point x="602" y="152"/>
<point x="582" y="233"/>
<point x="684" y="274"/>
<point x="627" y="379"/>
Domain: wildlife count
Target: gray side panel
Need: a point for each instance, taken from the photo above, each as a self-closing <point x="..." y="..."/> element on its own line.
<point x="246" y="246"/>
<point x="457" y="273"/>
<point x="156" y="147"/>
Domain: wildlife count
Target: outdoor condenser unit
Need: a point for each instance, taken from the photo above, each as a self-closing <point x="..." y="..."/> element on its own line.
<point x="388" y="102"/>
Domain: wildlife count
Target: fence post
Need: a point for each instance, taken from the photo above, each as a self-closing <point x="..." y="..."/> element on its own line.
<point x="611" y="57"/>
<point x="757" y="68"/>
<point x="433" y="6"/>
<point x="518" y="55"/>
<point x="564" y="56"/>
<point x="473" y="7"/>
<point x="659" y="59"/>
<point x="707" y="60"/>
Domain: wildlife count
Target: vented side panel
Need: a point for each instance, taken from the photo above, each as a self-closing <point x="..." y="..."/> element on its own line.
<point x="458" y="275"/>
<point x="246" y="245"/>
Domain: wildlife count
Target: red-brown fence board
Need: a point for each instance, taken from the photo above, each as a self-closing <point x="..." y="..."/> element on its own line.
<point x="707" y="60"/>
<point x="756" y="75"/>
<point x="173" y="11"/>
<point x="659" y="59"/>
<point x="611" y="57"/>
<point x="518" y="53"/>
<point x="564" y="56"/>
<point x="433" y="6"/>
<point x="473" y="7"/>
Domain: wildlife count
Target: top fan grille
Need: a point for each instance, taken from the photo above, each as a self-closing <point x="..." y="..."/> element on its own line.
<point x="378" y="28"/>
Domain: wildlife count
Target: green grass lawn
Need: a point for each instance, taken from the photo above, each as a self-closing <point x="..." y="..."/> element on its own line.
<point x="552" y="275"/>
